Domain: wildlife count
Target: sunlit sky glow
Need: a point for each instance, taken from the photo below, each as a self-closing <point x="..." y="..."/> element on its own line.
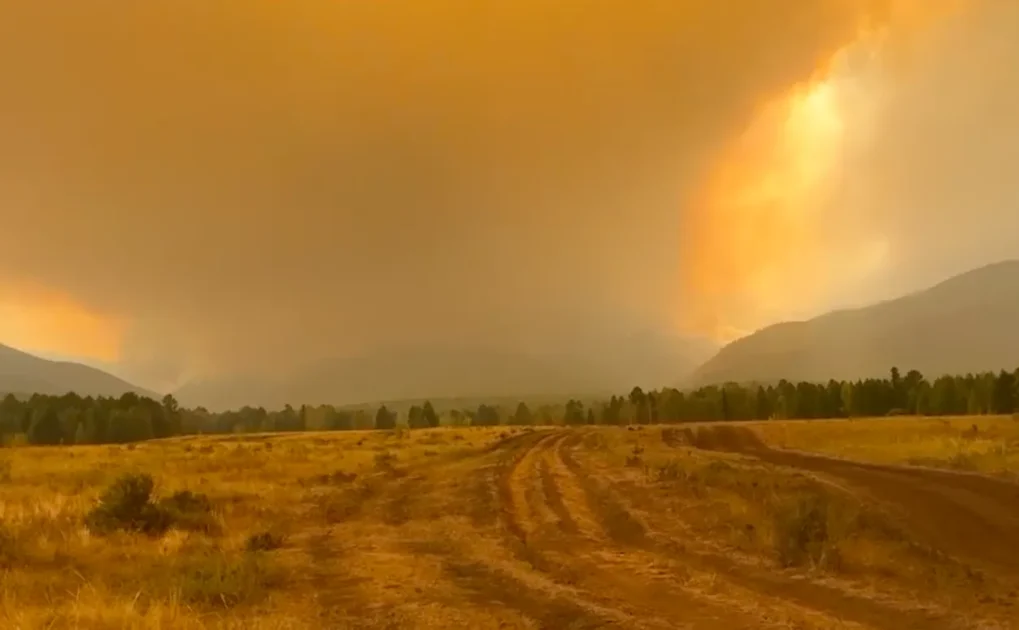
<point x="226" y="187"/>
<point x="54" y="325"/>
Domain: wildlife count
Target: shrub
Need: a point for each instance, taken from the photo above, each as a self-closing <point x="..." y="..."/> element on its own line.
<point x="127" y="506"/>
<point x="803" y="535"/>
<point x="218" y="581"/>
<point x="189" y="511"/>
<point x="265" y="541"/>
<point x="5" y="471"/>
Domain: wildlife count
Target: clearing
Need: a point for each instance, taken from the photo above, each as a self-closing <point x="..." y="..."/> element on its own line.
<point x="682" y="526"/>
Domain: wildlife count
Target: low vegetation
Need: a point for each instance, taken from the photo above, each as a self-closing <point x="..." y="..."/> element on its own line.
<point x="976" y="444"/>
<point x="472" y="527"/>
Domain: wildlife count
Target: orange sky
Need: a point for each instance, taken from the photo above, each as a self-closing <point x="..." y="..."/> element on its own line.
<point x="763" y="239"/>
<point x="228" y="185"/>
<point x="54" y="324"/>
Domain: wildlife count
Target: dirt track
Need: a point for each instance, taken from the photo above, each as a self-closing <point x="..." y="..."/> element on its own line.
<point x="540" y="535"/>
<point x="973" y="517"/>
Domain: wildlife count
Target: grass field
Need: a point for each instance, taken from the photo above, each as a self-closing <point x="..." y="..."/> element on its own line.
<point x="981" y="444"/>
<point x="510" y="528"/>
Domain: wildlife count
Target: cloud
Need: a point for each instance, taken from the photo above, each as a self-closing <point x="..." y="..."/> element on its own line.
<point x="249" y="186"/>
<point x="52" y="323"/>
<point x="886" y="171"/>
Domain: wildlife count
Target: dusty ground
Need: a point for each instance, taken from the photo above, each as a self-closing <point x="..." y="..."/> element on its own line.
<point x="674" y="527"/>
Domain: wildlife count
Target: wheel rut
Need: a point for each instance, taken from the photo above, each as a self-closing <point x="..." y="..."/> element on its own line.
<point x="623" y="526"/>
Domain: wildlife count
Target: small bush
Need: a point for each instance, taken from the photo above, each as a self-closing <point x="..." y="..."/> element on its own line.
<point x="5" y="471"/>
<point x="127" y="506"/>
<point x="634" y="461"/>
<point x="803" y="535"/>
<point x="265" y="541"/>
<point x="189" y="511"/>
<point x="346" y="505"/>
<point x="218" y="581"/>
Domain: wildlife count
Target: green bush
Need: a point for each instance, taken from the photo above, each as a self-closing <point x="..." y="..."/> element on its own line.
<point x="127" y="506"/>
<point x="189" y="511"/>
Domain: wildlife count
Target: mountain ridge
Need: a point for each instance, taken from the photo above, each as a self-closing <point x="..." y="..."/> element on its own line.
<point x="24" y="373"/>
<point x="965" y="323"/>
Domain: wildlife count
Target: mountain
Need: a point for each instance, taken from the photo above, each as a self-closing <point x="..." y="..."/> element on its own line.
<point x="23" y="373"/>
<point x="969" y="323"/>
<point x="649" y="360"/>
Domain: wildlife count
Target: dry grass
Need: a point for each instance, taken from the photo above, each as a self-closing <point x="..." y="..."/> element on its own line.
<point x="741" y="505"/>
<point x="952" y="443"/>
<point x="265" y="491"/>
<point x="480" y="528"/>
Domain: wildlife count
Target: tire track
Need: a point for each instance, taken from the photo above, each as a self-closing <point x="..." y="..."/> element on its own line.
<point x="969" y="516"/>
<point x="624" y="564"/>
<point x="554" y="603"/>
<point x="554" y="498"/>
<point x="623" y="527"/>
<point x="616" y="520"/>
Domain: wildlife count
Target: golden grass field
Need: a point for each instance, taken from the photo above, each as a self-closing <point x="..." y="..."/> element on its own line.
<point x="952" y="443"/>
<point x="527" y="528"/>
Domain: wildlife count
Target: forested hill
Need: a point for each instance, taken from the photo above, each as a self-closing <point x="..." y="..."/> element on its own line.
<point x="969" y="323"/>
<point x="23" y="373"/>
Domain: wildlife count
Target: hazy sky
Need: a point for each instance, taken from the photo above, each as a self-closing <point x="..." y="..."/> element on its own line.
<point x="201" y="186"/>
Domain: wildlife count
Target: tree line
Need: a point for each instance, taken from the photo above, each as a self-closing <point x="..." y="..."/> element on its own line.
<point x="71" y="419"/>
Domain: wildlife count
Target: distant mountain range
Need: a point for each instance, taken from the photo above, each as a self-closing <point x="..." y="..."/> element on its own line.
<point x="23" y="373"/>
<point x="969" y="323"/>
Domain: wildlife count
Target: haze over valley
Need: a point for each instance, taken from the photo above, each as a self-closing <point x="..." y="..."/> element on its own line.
<point x="540" y="197"/>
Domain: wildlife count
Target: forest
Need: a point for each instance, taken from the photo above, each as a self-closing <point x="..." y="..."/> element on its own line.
<point x="72" y="419"/>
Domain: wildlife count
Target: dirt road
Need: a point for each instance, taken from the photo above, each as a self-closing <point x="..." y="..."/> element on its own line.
<point x="973" y="517"/>
<point x="537" y="533"/>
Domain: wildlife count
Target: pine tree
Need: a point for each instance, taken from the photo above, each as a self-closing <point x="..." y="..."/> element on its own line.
<point x="385" y="419"/>
<point x="431" y="418"/>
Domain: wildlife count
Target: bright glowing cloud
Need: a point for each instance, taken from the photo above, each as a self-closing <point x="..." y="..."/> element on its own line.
<point x="53" y="324"/>
<point x="794" y="217"/>
<point x="755" y="245"/>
